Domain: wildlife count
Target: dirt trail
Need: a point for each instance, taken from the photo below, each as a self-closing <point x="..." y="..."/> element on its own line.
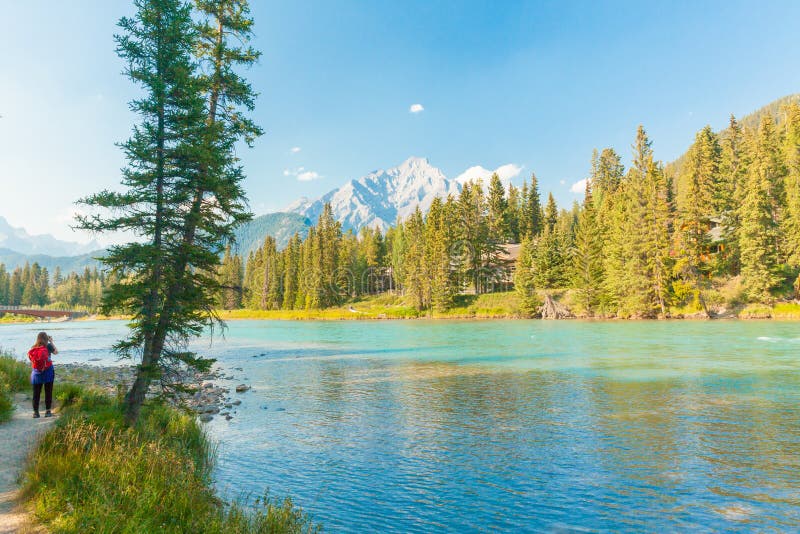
<point x="17" y="436"/>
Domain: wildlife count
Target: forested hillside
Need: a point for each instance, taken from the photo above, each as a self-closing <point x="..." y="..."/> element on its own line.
<point x="722" y="229"/>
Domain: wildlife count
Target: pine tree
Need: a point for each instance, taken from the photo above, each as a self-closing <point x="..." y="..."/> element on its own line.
<point x="524" y="280"/>
<point x="497" y="217"/>
<point x="791" y="156"/>
<point x="730" y="192"/>
<point x="416" y="284"/>
<point x="513" y="213"/>
<point x="183" y="192"/>
<point x="700" y="178"/>
<point x="531" y="212"/>
<point x="437" y="258"/>
<point x="758" y="234"/>
<point x="550" y="214"/>
<point x="587" y="257"/>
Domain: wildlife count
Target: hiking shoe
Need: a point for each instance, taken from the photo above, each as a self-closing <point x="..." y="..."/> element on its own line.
<point x="48" y="413"/>
<point x="36" y="415"/>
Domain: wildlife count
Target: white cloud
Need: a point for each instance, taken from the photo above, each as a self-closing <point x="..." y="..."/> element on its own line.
<point x="295" y="149"/>
<point x="506" y="173"/>
<point x="562" y="182"/>
<point x="416" y="108"/>
<point x="302" y="174"/>
<point x="308" y="176"/>
<point x="579" y="186"/>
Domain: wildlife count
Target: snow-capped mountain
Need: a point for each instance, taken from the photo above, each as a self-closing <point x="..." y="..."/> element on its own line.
<point x="379" y="198"/>
<point x="20" y="241"/>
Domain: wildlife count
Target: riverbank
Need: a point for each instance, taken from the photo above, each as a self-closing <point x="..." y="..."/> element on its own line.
<point x="90" y="473"/>
<point x="501" y="305"/>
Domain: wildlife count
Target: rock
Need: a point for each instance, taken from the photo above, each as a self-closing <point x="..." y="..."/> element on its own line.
<point x="280" y="409"/>
<point x="228" y="417"/>
<point x="237" y="402"/>
<point x="241" y="388"/>
<point x="205" y="418"/>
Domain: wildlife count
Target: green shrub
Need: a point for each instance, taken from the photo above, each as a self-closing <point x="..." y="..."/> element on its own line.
<point x="17" y="373"/>
<point x="14" y="376"/>
<point x="91" y="473"/>
<point x="6" y="401"/>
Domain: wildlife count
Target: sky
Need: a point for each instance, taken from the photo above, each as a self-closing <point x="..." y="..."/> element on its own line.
<point x="347" y="87"/>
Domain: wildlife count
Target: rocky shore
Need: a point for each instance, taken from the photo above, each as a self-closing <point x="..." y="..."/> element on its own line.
<point x="206" y="394"/>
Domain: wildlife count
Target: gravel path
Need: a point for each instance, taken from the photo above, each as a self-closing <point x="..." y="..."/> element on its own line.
<point x="17" y="436"/>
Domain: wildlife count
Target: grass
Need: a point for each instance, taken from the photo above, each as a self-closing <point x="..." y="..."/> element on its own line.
<point x="11" y="318"/>
<point x="91" y="473"/>
<point x="387" y="306"/>
<point x="14" y="376"/>
<point x="786" y="310"/>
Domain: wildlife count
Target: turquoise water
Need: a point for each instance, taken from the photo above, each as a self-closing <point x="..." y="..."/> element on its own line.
<point x="416" y="426"/>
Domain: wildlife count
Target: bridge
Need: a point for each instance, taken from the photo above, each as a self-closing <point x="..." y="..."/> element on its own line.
<point x="41" y="312"/>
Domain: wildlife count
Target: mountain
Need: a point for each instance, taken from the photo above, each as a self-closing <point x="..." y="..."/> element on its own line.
<point x="379" y="198"/>
<point x="20" y="241"/>
<point x="12" y="259"/>
<point x="281" y="226"/>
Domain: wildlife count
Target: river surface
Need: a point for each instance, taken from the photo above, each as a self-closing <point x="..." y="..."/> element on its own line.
<point x="461" y="426"/>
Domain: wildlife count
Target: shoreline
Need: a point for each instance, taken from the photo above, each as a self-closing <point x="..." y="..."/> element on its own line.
<point x="260" y="315"/>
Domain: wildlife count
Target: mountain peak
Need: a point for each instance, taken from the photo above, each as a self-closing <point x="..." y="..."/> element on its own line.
<point x="382" y="197"/>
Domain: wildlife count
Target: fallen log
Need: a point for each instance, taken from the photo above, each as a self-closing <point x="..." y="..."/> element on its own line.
<point x="552" y="309"/>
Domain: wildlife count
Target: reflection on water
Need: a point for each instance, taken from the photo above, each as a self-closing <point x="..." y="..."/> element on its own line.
<point x="517" y="425"/>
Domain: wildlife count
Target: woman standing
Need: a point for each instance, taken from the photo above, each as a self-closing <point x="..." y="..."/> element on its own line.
<point x="43" y="374"/>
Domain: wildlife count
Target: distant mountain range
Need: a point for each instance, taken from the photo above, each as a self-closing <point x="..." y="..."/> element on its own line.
<point x="18" y="240"/>
<point x="12" y="259"/>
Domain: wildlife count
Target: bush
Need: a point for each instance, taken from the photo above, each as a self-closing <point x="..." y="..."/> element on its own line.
<point x="17" y="373"/>
<point x="93" y="474"/>
<point x="14" y="376"/>
<point x="6" y="401"/>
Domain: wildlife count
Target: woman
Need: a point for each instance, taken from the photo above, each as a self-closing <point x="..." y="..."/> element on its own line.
<point x="43" y="373"/>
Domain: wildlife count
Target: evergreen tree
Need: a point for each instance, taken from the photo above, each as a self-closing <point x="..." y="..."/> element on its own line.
<point x="531" y="211"/>
<point x="524" y="279"/>
<point x="183" y="191"/>
<point x="730" y="192"/>
<point x="791" y="156"/>
<point x="758" y="234"/>
<point x="416" y="283"/>
<point x="438" y="258"/>
<point x="700" y="178"/>
<point x="587" y="258"/>
<point x="550" y="214"/>
<point x="497" y="217"/>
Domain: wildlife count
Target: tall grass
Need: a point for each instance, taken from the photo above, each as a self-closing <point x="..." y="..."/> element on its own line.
<point x="14" y="376"/>
<point x="92" y="474"/>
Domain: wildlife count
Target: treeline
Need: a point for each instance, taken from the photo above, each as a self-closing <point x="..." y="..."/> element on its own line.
<point x="644" y="240"/>
<point x="32" y="285"/>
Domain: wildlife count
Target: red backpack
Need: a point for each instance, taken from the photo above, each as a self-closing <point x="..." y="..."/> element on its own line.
<point x="40" y="358"/>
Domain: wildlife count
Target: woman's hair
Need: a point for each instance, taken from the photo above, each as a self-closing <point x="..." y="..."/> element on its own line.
<point x="41" y="340"/>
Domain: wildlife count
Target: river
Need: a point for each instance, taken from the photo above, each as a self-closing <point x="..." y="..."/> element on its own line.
<point x="421" y="426"/>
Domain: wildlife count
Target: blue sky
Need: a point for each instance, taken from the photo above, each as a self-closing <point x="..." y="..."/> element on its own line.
<point x="537" y="84"/>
